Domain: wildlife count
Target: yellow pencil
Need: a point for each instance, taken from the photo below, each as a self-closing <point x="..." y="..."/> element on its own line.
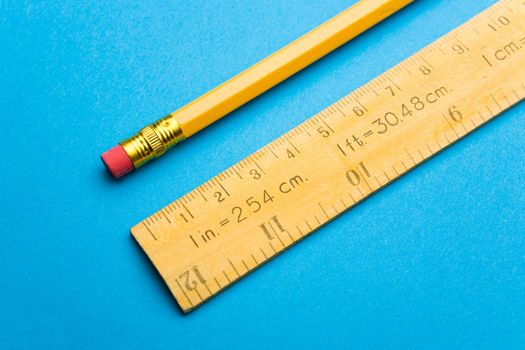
<point x="155" y="139"/>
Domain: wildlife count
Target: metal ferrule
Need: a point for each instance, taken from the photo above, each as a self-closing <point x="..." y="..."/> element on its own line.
<point x="153" y="140"/>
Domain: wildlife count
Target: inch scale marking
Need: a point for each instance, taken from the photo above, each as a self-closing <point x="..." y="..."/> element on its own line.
<point x="235" y="222"/>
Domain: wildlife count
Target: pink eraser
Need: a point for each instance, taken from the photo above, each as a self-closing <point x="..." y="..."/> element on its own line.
<point x="117" y="161"/>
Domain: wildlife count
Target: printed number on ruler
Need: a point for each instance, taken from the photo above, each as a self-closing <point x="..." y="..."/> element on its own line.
<point x="236" y="221"/>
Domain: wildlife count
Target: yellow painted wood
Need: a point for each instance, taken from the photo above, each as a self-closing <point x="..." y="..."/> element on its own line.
<point x="155" y="139"/>
<point x="283" y="63"/>
<point x="230" y="225"/>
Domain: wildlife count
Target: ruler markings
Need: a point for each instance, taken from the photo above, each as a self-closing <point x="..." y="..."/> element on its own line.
<point x="224" y="189"/>
<point x="282" y="241"/>
<point x="202" y="195"/>
<point x="404" y="166"/>
<point x="324" y="211"/>
<point x="406" y="69"/>
<point x="509" y="104"/>
<point x="446" y="138"/>
<point x="473" y="122"/>
<point x="395" y="170"/>
<point x="465" y="46"/>
<point x="276" y="234"/>
<point x="451" y="127"/>
<point x="189" y="212"/>
<point x="386" y="175"/>
<point x="463" y="126"/>
<point x="263" y="253"/>
<point x="289" y="235"/>
<point x="207" y="288"/>
<point x="335" y="209"/>
<point x="380" y="137"/>
<point x="293" y="146"/>
<point x="246" y="266"/>
<point x="394" y="83"/>
<point x="421" y="154"/>
<point x="234" y="269"/>
<point x="378" y="182"/>
<point x="166" y="216"/>
<point x="227" y="277"/>
<point x="365" y="180"/>
<point x="151" y="233"/>
<point x="352" y="198"/>
<point x="184" y="293"/>
<point x="325" y="123"/>
<point x="410" y="156"/>
<point x="308" y="225"/>
<point x="345" y="206"/>
<point x="516" y="95"/>
<point x="273" y="249"/>
<point x="496" y="102"/>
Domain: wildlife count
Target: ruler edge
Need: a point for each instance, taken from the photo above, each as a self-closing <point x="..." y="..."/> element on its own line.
<point x="392" y="68"/>
<point x="421" y="51"/>
<point x="309" y="234"/>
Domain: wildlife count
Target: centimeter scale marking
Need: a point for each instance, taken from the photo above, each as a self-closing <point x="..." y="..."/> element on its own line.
<point x="238" y="220"/>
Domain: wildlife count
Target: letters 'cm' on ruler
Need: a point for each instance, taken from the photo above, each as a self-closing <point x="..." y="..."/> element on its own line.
<point x="238" y="220"/>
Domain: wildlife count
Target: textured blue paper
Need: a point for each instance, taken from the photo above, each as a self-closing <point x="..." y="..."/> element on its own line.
<point x="436" y="260"/>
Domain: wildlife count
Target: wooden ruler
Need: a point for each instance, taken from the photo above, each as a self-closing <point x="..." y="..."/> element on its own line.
<point x="238" y="220"/>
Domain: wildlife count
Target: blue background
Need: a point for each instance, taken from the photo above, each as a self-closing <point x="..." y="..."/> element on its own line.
<point x="435" y="260"/>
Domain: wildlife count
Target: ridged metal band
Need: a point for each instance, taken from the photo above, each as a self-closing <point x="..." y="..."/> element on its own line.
<point x="153" y="140"/>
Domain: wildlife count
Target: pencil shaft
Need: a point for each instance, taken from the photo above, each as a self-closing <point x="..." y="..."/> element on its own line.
<point x="282" y="64"/>
<point x="155" y="139"/>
